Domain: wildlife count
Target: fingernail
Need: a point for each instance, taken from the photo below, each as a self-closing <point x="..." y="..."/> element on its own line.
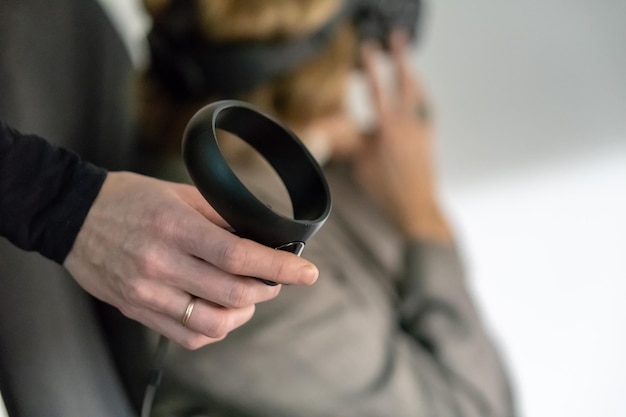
<point x="310" y="274"/>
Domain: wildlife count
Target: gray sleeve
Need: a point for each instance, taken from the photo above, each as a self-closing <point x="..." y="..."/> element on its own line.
<point x="437" y="309"/>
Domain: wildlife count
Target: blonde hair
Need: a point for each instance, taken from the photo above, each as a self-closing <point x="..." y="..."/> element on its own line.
<point x="314" y="90"/>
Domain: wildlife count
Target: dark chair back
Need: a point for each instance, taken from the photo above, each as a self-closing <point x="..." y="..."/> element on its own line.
<point x="65" y="75"/>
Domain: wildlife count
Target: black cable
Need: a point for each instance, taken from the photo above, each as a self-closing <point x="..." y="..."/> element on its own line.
<point x="156" y="374"/>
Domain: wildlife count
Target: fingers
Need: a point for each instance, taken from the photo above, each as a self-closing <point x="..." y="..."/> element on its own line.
<point x="370" y="57"/>
<point x="195" y="257"/>
<point x="215" y="321"/>
<point x="247" y="258"/>
<point x="207" y="323"/>
<point x="159" y="295"/>
<point x="404" y="94"/>
<point x="210" y="242"/>
<point x="405" y="79"/>
<point x="191" y="275"/>
<point x="243" y="257"/>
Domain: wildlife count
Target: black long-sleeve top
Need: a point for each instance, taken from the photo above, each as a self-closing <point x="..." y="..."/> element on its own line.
<point x="45" y="193"/>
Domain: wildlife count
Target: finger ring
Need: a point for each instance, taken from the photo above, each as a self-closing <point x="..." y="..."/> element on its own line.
<point x="422" y="113"/>
<point x="188" y="311"/>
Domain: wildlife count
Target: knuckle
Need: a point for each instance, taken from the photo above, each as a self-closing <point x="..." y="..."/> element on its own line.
<point x="161" y="219"/>
<point x="162" y="224"/>
<point x="280" y="272"/>
<point x="136" y="288"/>
<point x="129" y="311"/>
<point x="219" y="326"/>
<point x="144" y="265"/>
<point x="135" y="292"/>
<point x="233" y="257"/>
<point x="193" y="341"/>
<point x="150" y="263"/>
<point x="239" y="296"/>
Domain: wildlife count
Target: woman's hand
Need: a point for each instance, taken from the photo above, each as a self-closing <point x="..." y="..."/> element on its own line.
<point x="396" y="165"/>
<point x="149" y="247"/>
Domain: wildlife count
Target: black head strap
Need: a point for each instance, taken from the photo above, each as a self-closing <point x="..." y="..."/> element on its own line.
<point x="189" y="66"/>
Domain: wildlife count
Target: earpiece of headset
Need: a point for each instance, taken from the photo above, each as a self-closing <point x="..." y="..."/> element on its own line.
<point x="376" y="19"/>
<point x="191" y="67"/>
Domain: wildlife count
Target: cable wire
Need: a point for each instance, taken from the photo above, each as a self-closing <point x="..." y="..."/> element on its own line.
<point x="156" y="374"/>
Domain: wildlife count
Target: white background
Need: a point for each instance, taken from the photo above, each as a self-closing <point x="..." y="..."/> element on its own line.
<point x="530" y="99"/>
<point x="531" y="105"/>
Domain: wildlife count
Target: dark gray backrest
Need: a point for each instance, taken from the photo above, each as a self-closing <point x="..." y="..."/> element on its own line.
<point x="64" y="74"/>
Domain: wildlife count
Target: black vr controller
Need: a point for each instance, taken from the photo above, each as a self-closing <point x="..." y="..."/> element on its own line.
<point x="220" y="186"/>
<point x="190" y="67"/>
<point x="249" y="217"/>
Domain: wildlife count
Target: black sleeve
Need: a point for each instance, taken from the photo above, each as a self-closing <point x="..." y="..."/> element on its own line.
<point x="45" y="193"/>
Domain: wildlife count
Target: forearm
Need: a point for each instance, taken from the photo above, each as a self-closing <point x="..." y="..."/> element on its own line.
<point x="45" y="193"/>
<point x="425" y="221"/>
<point x="437" y="310"/>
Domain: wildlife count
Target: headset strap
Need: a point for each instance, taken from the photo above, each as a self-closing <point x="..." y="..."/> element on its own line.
<point x="191" y="67"/>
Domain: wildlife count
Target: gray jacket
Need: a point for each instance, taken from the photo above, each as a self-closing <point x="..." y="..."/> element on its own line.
<point x="389" y="329"/>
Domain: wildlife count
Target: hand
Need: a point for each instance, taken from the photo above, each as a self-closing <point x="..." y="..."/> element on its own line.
<point x="148" y="246"/>
<point x="396" y="166"/>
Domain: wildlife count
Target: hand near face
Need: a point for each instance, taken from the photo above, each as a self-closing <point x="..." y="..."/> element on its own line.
<point x="395" y="164"/>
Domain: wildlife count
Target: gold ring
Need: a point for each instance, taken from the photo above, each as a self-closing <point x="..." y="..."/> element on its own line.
<point x="188" y="311"/>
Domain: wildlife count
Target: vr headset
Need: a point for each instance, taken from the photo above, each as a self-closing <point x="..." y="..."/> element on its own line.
<point x="191" y="67"/>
